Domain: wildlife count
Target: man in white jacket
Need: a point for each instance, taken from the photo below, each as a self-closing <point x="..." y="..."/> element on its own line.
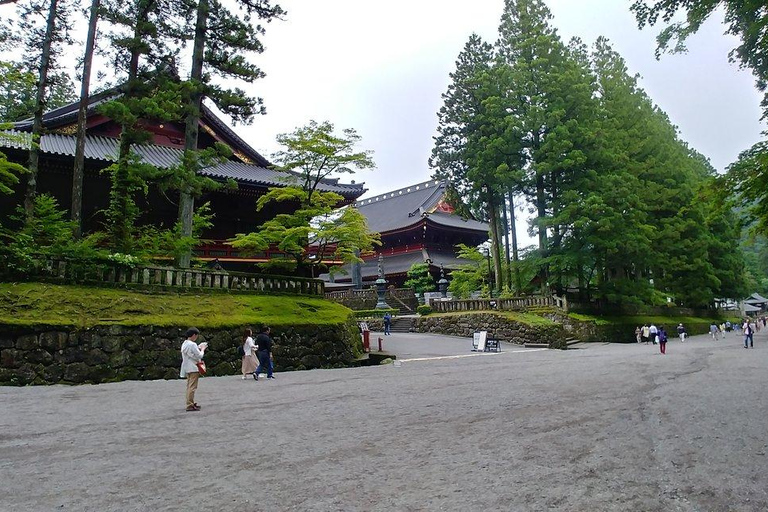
<point x="191" y="354"/>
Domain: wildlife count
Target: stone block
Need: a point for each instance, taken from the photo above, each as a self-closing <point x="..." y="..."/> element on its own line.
<point x="70" y="355"/>
<point x="38" y="356"/>
<point x="120" y="359"/>
<point x="53" y="340"/>
<point x="6" y="342"/>
<point x="53" y="373"/>
<point x="311" y="361"/>
<point x="112" y="344"/>
<point x="27" y="342"/>
<point x="89" y="339"/>
<point x="95" y="357"/>
<point x="76" y="373"/>
<point x="11" y="358"/>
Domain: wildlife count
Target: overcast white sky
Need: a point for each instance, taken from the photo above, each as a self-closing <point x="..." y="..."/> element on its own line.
<point x="380" y="67"/>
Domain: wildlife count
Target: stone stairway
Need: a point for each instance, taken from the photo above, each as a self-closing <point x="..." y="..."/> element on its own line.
<point x="401" y="324"/>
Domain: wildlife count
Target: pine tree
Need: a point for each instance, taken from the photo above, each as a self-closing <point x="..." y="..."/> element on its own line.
<point x="223" y="39"/>
<point x="43" y="43"/>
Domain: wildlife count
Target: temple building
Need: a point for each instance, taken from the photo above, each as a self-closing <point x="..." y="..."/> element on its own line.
<point x="417" y="225"/>
<point x="235" y="210"/>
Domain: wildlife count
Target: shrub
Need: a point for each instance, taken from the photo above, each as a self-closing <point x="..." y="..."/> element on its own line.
<point x="424" y="310"/>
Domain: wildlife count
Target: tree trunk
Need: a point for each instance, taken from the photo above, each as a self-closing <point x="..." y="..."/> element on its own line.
<point x="186" y="201"/>
<point x="77" y="172"/>
<point x="37" y="124"/>
<point x="513" y="229"/>
<point x="496" y="254"/>
<point x="505" y="226"/>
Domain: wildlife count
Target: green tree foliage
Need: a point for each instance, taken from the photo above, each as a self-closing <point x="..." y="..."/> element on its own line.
<point x="312" y="154"/>
<point x="225" y="35"/>
<point x="18" y="89"/>
<point x="420" y="279"/>
<point x="624" y="208"/>
<point x="470" y="277"/>
<point x="312" y="232"/>
<point x="315" y="152"/>
<point x="44" y="31"/>
<point x="747" y="20"/>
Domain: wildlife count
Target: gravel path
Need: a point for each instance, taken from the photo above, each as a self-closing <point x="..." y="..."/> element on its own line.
<point x="606" y="427"/>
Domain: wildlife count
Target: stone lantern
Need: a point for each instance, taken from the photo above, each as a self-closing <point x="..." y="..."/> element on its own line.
<point x="381" y="286"/>
<point x="442" y="284"/>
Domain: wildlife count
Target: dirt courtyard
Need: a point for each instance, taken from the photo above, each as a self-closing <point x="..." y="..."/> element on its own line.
<point x="605" y="427"/>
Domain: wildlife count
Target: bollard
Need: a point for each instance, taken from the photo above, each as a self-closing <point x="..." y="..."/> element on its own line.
<point x="380" y="340"/>
<point x="366" y="341"/>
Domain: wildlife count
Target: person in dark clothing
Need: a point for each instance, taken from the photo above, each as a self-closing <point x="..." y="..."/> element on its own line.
<point x="662" y="340"/>
<point x="264" y="353"/>
<point x="387" y="324"/>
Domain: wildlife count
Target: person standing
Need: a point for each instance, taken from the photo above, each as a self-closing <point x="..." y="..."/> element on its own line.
<point x="681" y="332"/>
<point x="654" y="333"/>
<point x="748" y="334"/>
<point x="387" y="323"/>
<point x="264" y="353"/>
<point x="638" y="334"/>
<point x="249" y="363"/>
<point x="662" y="340"/>
<point x="646" y="333"/>
<point x="191" y="354"/>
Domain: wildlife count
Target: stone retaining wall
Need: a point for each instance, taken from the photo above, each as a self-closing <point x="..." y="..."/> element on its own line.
<point x="498" y="327"/>
<point x="51" y="355"/>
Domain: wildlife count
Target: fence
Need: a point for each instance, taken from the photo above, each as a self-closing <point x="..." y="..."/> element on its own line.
<point x="149" y="276"/>
<point x="398" y="298"/>
<point x="513" y="304"/>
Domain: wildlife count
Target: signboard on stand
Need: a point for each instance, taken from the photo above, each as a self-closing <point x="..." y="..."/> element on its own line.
<point x="478" y="341"/>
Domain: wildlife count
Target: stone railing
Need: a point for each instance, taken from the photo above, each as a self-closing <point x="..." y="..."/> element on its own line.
<point x="149" y="276"/>
<point x="513" y="304"/>
<point x="399" y="298"/>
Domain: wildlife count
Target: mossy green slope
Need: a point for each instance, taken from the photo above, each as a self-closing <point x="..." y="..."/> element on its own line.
<point x="81" y="306"/>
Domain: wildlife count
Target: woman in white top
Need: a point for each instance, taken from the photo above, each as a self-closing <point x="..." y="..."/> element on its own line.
<point x="249" y="358"/>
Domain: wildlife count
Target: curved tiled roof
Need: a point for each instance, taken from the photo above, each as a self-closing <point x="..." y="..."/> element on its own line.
<point x="106" y="148"/>
<point x="407" y="206"/>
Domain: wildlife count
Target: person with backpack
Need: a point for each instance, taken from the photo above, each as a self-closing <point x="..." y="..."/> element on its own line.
<point x="662" y="340"/>
<point x="247" y="352"/>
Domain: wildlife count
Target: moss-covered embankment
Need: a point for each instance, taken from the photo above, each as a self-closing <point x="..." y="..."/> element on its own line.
<point x="72" y="334"/>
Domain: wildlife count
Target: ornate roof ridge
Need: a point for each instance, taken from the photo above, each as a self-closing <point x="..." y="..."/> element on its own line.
<point x="418" y="187"/>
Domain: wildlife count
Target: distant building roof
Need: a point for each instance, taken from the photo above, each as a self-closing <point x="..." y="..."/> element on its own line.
<point x="756" y="298"/>
<point x="748" y="308"/>
<point x="402" y="263"/>
<point x="408" y="206"/>
<point x="106" y="148"/>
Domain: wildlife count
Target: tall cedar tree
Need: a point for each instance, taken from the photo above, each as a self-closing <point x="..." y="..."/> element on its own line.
<point x="44" y="28"/>
<point x="459" y="137"/>
<point x="85" y="84"/>
<point x="223" y="39"/>
<point x="141" y="42"/>
<point x="550" y="114"/>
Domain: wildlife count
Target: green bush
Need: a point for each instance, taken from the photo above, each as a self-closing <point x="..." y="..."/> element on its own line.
<point x="374" y="313"/>
<point x="424" y="310"/>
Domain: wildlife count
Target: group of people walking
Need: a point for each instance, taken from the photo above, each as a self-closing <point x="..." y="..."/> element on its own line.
<point x="257" y="354"/>
<point x="256" y="357"/>
<point x="658" y="335"/>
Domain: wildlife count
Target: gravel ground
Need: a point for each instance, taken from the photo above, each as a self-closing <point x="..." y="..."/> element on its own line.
<point x="605" y="427"/>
